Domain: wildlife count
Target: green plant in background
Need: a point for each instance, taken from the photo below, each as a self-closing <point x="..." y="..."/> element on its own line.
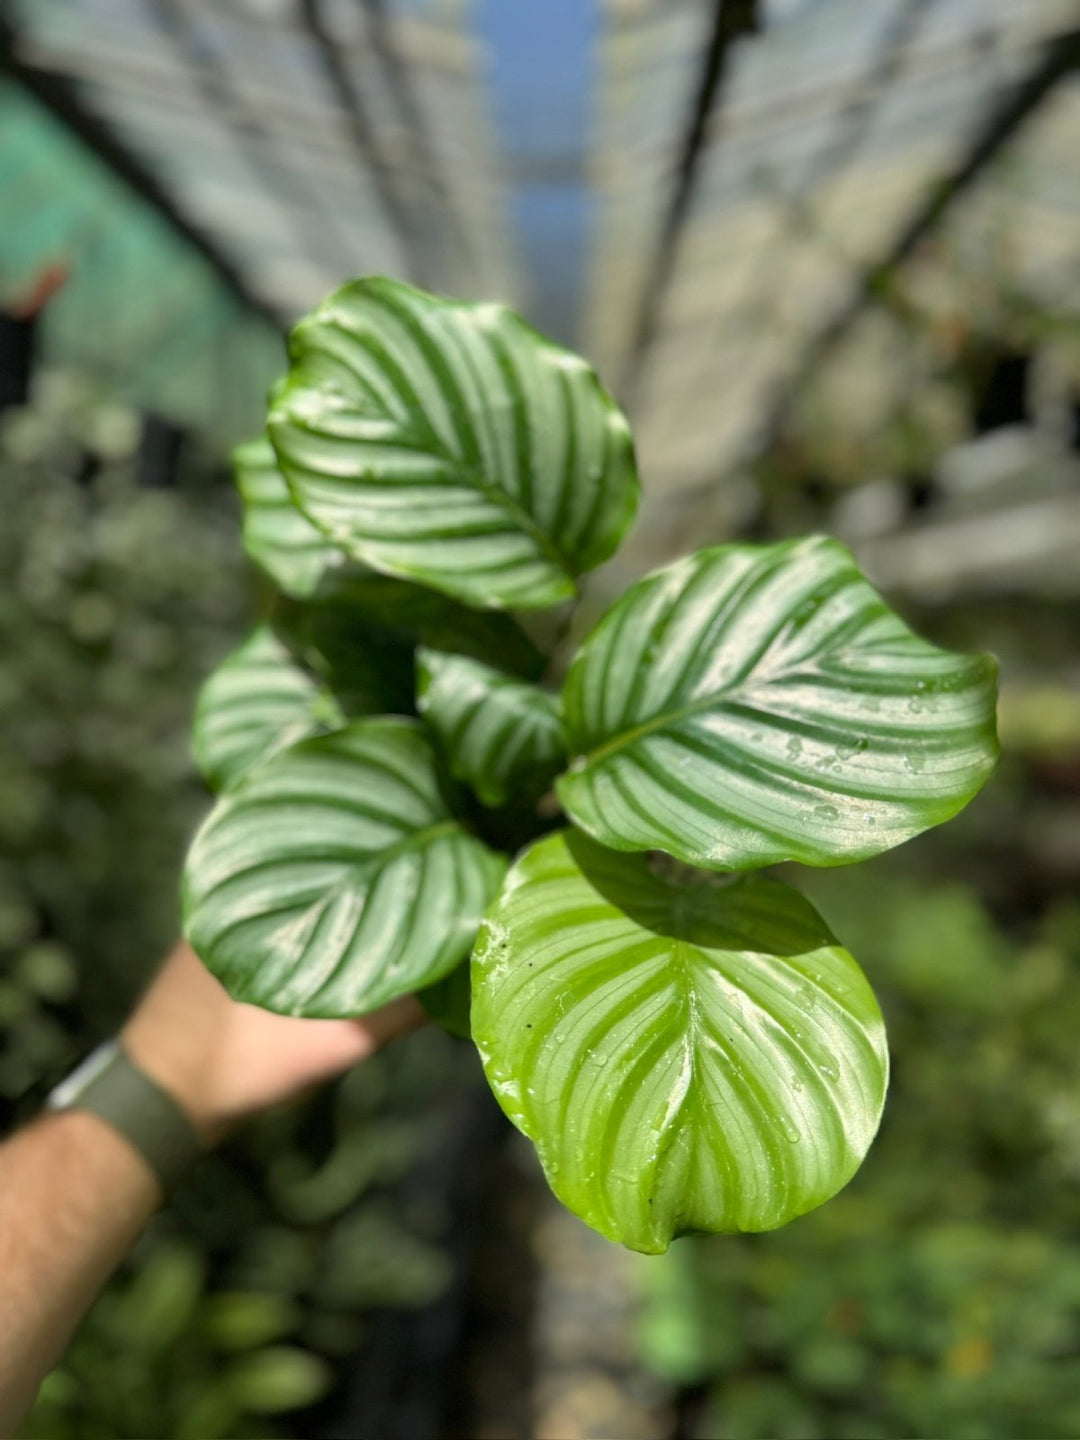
<point x="115" y="600"/>
<point x="240" y="1301"/>
<point x="688" y="1046"/>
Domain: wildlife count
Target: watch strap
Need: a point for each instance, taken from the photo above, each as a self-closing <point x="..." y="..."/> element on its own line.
<point x="110" y="1085"/>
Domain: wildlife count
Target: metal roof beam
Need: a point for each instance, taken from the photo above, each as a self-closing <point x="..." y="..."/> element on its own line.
<point x="732" y="19"/>
<point x="362" y="133"/>
<point x="313" y="226"/>
<point x="1059" y="59"/>
<point x="424" y="154"/>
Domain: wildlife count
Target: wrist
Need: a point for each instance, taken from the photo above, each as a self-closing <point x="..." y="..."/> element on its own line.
<point x="180" y="1035"/>
<point x="183" y="1065"/>
<point x="222" y="1061"/>
<point x="112" y="1088"/>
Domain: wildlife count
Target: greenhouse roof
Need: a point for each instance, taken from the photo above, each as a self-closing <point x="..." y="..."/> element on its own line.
<point x="708" y="196"/>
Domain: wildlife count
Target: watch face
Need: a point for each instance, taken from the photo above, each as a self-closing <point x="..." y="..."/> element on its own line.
<point x="68" y="1091"/>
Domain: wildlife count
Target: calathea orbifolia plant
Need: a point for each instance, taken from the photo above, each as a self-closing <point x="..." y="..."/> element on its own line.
<point x="686" y="1044"/>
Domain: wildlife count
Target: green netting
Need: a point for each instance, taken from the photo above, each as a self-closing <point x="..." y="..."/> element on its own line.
<point x="140" y="306"/>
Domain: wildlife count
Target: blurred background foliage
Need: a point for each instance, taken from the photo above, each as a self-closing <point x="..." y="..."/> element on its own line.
<point x="242" y="1297"/>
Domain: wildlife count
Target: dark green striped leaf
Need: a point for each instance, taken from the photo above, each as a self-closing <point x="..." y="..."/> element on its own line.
<point x="752" y="704"/>
<point x="257" y="701"/>
<point x="360" y="661"/>
<point x="448" y="1001"/>
<point x="503" y="737"/>
<point x="452" y="444"/>
<point x="363" y="628"/>
<point x="701" y="1057"/>
<point x="280" y="540"/>
<point x="334" y="878"/>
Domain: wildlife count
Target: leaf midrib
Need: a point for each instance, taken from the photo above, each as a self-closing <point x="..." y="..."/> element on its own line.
<point x="666" y="718"/>
<point x="364" y="869"/>
<point x="430" y="444"/>
<point x="743" y="688"/>
<point x="415" y="839"/>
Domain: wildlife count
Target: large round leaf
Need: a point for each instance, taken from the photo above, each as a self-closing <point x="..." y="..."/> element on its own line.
<point x="277" y="536"/>
<point x="257" y="701"/>
<point x="334" y="878"/>
<point x="752" y="704"/>
<point x="685" y="1057"/>
<point x="503" y="737"/>
<point x="452" y="444"/>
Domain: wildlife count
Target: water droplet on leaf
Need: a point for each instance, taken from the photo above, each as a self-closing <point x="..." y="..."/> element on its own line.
<point x="829" y="1066"/>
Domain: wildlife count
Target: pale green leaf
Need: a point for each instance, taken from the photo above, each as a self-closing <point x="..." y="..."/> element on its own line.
<point x="685" y="1057"/>
<point x="451" y="444"/>
<point x="245" y="1319"/>
<point x="334" y="877"/>
<point x="157" y="1307"/>
<point x="752" y="704"/>
<point x="257" y="701"/>
<point x="277" y="536"/>
<point x="502" y="737"/>
<point x="279" y="1378"/>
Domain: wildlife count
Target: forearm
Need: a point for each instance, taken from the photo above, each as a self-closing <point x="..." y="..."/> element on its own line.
<point x="73" y="1196"/>
<point x="74" y="1193"/>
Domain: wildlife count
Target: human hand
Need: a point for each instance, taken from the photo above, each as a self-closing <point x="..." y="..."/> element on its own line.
<point x="223" y="1061"/>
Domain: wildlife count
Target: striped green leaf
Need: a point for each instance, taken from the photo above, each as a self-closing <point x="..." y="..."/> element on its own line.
<point x="280" y="539"/>
<point x="685" y="1057"/>
<point x="334" y="878"/>
<point x="502" y="737"/>
<point x="752" y="704"/>
<point x="256" y="702"/>
<point x="451" y="444"/>
<point x="365" y="627"/>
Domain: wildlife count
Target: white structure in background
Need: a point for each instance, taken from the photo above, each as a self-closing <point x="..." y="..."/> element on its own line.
<point x="230" y="106"/>
<point x="832" y="127"/>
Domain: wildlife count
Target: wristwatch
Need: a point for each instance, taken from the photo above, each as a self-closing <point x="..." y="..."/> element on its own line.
<point x="110" y="1085"/>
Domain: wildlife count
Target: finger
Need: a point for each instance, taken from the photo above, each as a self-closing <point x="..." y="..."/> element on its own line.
<point x="311" y="1050"/>
<point x="398" y="1018"/>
